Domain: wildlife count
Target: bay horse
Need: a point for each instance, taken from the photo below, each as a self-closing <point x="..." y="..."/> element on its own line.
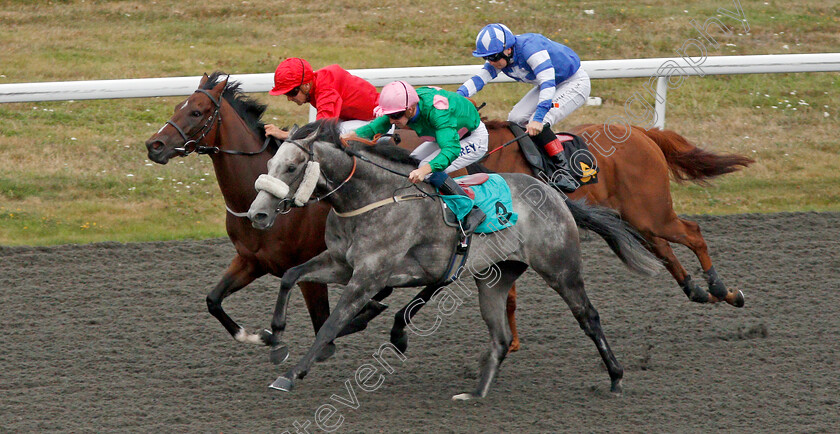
<point x="364" y="259"/>
<point x="220" y="121"/>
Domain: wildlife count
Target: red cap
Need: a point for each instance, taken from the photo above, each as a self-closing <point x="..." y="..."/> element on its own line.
<point x="291" y="73"/>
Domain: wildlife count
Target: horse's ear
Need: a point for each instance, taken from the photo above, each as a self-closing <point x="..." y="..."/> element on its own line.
<point x="220" y="87"/>
<point x="311" y="137"/>
<point x="293" y="130"/>
<point x="203" y="80"/>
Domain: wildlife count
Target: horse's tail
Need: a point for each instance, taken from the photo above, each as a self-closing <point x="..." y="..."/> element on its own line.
<point x="690" y="163"/>
<point x="625" y="241"/>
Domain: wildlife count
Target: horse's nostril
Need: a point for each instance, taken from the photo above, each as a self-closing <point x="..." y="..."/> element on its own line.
<point x="156" y="145"/>
<point x="261" y="216"/>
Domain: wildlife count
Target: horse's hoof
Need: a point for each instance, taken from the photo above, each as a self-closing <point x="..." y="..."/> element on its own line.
<point x="400" y="340"/>
<point x="282" y="383"/>
<point x="278" y="353"/>
<point x="616" y="388"/>
<point x="464" y="397"/>
<point x="267" y="337"/>
<point x="738" y="299"/>
<point x="326" y="353"/>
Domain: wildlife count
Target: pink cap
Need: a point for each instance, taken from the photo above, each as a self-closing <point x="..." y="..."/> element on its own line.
<point x="395" y="97"/>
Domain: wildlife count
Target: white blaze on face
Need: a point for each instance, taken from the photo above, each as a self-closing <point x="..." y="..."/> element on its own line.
<point x="185" y="105"/>
<point x="161" y="128"/>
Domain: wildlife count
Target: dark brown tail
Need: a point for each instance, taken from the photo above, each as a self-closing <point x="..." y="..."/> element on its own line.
<point x="690" y="163"/>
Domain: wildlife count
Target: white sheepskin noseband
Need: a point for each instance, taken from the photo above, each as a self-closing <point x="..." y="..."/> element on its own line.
<point x="272" y="186"/>
<point x="280" y="189"/>
<point x="307" y="186"/>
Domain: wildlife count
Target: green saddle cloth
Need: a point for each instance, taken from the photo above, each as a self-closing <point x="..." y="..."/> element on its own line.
<point x="492" y="197"/>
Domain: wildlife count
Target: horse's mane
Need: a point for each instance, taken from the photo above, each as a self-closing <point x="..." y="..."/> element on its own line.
<point x="495" y="124"/>
<point x="330" y="131"/>
<point x="249" y="109"/>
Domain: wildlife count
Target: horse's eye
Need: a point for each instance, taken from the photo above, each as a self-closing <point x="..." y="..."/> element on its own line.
<point x="291" y="168"/>
<point x="196" y="113"/>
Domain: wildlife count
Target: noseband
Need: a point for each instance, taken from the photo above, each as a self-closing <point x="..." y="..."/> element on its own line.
<point x="265" y="181"/>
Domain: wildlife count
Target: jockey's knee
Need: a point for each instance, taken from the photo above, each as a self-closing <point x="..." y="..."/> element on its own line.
<point x="518" y="119"/>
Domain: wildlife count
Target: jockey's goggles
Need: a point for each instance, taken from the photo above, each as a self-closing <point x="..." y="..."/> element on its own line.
<point x="495" y="57"/>
<point x="397" y="115"/>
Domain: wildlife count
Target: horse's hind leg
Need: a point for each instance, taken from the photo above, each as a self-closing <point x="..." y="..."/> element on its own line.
<point x="511" y="316"/>
<point x="567" y="281"/>
<point x="661" y="248"/>
<point x="403" y="317"/>
<point x="687" y="233"/>
<point x="370" y="311"/>
<point x="492" y="299"/>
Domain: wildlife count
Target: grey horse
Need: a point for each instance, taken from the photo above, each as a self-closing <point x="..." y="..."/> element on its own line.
<point x="374" y="243"/>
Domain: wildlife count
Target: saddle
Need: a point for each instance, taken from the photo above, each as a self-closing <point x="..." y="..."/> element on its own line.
<point x="489" y="192"/>
<point x="583" y="167"/>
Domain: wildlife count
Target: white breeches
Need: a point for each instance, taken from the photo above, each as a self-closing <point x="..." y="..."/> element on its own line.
<point x="569" y="96"/>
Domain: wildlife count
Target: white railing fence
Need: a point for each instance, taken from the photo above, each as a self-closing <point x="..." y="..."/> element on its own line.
<point x="666" y="71"/>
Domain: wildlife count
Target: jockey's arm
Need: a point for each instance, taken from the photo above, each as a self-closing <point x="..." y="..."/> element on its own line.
<point x="450" y="147"/>
<point x="477" y="82"/>
<point x="328" y="104"/>
<point x="540" y="63"/>
<point x="380" y="125"/>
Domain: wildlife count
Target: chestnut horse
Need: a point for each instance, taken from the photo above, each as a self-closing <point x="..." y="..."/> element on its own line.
<point x="634" y="165"/>
<point x="220" y="121"/>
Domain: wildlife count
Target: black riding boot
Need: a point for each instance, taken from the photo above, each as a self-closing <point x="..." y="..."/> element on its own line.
<point x="474" y="217"/>
<point x="554" y="149"/>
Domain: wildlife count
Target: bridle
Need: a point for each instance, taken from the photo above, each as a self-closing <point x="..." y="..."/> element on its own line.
<point x="193" y="143"/>
<point x="287" y="203"/>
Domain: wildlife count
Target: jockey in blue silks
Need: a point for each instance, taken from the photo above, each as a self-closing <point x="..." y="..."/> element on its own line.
<point x="560" y="85"/>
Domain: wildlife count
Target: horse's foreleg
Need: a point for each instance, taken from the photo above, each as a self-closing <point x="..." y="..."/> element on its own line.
<point x="319" y="270"/>
<point x="239" y="274"/>
<point x="352" y="300"/>
<point x="317" y="301"/>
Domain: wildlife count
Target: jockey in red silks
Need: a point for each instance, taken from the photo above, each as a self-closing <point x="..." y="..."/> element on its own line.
<point x="450" y="124"/>
<point x="333" y="91"/>
<point x="561" y="86"/>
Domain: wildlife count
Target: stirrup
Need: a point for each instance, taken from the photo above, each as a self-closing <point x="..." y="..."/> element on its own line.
<point x="472" y="220"/>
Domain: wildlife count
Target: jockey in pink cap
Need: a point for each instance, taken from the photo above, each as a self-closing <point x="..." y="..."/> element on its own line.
<point x="450" y="124"/>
